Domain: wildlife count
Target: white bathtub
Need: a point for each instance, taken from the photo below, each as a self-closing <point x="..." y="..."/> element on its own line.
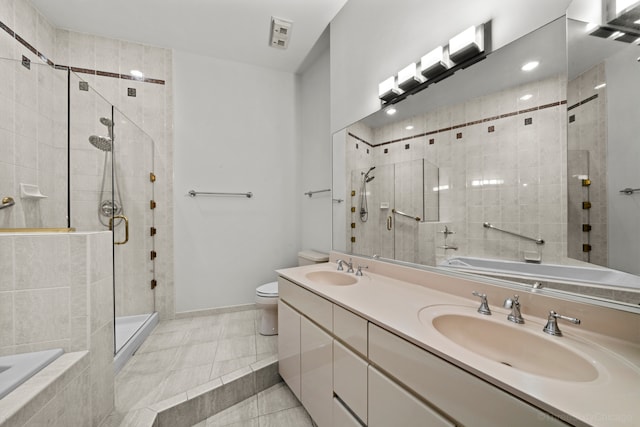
<point x="598" y="276"/>
<point x="18" y="368"/>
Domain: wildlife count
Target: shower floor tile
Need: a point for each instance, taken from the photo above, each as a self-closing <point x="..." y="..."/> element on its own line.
<point x="185" y="353"/>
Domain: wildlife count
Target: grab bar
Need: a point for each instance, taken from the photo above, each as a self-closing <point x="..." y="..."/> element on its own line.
<point x="629" y="191"/>
<point x="538" y="241"/>
<point x="7" y="202"/>
<point x="417" y="218"/>
<point x="311" y="193"/>
<point x="194" y="193"/>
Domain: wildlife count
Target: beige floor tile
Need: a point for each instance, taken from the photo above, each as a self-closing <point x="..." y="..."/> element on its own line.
<point x="149" y="363"/>
<point x="294" y="417"/>
<point x="224" y="367"/>
<point x="138" y="391"/>
<point x="174" y="325"/>
<point x="203" y="334"/>
<point x="239" y="328"/>
<point x="276" y="398"/>
<point x="162" y="341"/>
<point x="244" y="411"/>
<point x="181" y="380"/>
<point x="195" y="355"/>
<point x="234" y="348"/>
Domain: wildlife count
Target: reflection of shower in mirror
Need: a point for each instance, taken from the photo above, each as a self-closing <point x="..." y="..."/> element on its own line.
<point x="364" y="211"/>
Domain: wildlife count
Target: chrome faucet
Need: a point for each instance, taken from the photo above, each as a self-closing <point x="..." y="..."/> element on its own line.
<point x="515" y="316"/>
<point x="551" y="327"/>
<point x="484" y="306"/>
<point x="342" y="262"/>
<point x="360" y="267"/>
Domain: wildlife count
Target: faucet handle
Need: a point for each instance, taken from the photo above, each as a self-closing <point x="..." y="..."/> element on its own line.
<point x="360" y="267"/>
<point x="484" y="305"/>
<point x="340" y="262"/>
<point x="350" y="265"/>
<point x="515" y="316"/>
<point x="551" y="327"/>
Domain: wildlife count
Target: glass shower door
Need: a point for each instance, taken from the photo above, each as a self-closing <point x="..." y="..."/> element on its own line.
<point x="132" y="221"/>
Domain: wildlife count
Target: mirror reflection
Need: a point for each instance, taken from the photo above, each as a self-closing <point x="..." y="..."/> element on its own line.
<point x="497" y="135"/>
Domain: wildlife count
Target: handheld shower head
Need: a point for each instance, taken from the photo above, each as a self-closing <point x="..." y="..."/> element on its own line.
<point x="369" y="179"/>
<point x="102" y="143"/>
<point x="106" y="121"/>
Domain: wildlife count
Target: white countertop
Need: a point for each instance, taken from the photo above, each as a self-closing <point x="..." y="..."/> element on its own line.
<point x="612" y="399"/>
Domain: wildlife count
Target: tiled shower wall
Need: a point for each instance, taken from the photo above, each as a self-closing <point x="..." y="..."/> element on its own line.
<point x="501" y="160"/>
<point x="587" y="159"/>
<point x="105" y="64"/>
<point x="56" y="292"/>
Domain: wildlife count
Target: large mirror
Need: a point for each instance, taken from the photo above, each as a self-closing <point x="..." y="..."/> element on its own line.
<point x="504" y="199"/>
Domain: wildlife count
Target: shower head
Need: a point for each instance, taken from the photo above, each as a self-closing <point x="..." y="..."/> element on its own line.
<point x="102" y="143"/>
<point x="366" y="174"/>
<point x="369" y="179"/>
<point x="106" y="121"/>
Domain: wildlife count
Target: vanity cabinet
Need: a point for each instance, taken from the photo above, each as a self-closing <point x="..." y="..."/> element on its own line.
<point x="289" y="346"/>
<point x="466" y="398"/>
<point x="342" y="417"/>
<point x="316" y="366"/>
<point x="390" y="404"/>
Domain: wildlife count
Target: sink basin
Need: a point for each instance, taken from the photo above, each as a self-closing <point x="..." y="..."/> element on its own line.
<point x="332" y="278"/>
<point x="521" y="347"/>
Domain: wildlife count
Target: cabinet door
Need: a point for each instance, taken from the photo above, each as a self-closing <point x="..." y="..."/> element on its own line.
<point x="391" y="405"/>
<point x="350" y="379"/>
<point x="342" y="417"/>
<point x="316" y="361"/>
<point x="289" y="347"/>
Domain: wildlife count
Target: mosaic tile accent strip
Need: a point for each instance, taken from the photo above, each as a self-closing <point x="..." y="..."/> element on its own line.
<point x="462" y="125"/>
<point x="584" y="101"/>
<point x="48" y="61"/>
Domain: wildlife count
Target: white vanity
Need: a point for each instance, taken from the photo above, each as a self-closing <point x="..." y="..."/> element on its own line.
<point x="404" y="346"/>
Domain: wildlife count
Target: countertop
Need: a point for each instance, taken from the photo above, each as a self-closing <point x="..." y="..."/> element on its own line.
<point x="612" y="399"/>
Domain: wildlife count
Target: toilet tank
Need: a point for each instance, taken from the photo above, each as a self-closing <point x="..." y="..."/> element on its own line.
<point x="308" y="257"/>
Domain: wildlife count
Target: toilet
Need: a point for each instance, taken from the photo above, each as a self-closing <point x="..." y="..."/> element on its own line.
<point x="267" y="294"/>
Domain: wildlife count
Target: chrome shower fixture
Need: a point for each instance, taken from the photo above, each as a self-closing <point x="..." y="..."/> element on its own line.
<point x="102" y="143"/>
<point x="109" y="124"/>
<point x="364" y="211"/>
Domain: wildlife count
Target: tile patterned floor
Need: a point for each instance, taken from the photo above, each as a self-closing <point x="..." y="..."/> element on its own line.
<point x="182" y="354"/>
<point x="274" y="407"/>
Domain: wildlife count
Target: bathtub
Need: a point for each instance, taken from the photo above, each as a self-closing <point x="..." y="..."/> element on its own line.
<point x="18" y="368"/>
<point x="598" y="276"/>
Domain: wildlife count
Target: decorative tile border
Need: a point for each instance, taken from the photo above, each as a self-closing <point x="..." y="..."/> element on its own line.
<point x="46" y="60"/>
<point x="584" y="101"/>
<point x="475" y="122"/>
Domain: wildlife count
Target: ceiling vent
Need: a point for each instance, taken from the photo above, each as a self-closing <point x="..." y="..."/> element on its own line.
<point x="280" y="32"/>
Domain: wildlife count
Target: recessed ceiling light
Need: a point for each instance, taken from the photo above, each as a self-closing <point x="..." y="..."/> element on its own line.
<point x="391" y="111"/>
<point x="137" y="73"/>
<point x="526" y="97"/>
<point x="409" y="127"/>
<point x="530" y="66"/>
<point x="600" y="86"/>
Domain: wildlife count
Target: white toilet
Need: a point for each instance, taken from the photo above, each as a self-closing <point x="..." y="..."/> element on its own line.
<point x="267" y="294"/>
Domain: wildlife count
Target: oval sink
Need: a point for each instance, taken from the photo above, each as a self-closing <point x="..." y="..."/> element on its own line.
<point x="513" y="346"/>
<point x="332" y="278"/>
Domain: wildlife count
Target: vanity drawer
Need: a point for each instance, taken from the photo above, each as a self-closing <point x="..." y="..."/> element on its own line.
<point x="350" y="379"/>
<point x="468" y="399"/>
<point x="391" y="405"/>
<point x="313" y="306"/>
<point x="342" y="417"/>
<point x="351" y="329"/>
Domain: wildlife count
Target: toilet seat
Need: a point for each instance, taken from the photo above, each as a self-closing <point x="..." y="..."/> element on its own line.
<point x="268" y="290"/>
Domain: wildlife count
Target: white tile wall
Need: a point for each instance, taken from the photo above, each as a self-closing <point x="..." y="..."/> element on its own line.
<point x="521" y="169"/>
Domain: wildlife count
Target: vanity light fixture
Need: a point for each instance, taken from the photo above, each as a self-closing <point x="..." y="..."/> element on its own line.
<point x="408" y="77"/>
<point x="409" y="127"/>
<point x="600" y="86"/>
<point x="462" y="51"/>
<point x="529" y="66"/>
<point x="391" y="111"/>
<point x="388" y="89"/>
<point x="526" y="97"/>
<point x="468" y="43"/>
<point x="435" y="62"/>
<point x="137" y="74"/>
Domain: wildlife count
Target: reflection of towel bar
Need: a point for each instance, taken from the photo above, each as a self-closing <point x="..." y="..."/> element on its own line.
<point x="538" y="241"/>
<point x="7" y="202"/>
<point x="417" y="218"/>
<point x="629" y="191"/>
<point x="193" y="193"/>
<point x="311" y="193"/>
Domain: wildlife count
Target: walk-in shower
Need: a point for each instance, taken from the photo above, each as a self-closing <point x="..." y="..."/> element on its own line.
<point x="366" y="178"/>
